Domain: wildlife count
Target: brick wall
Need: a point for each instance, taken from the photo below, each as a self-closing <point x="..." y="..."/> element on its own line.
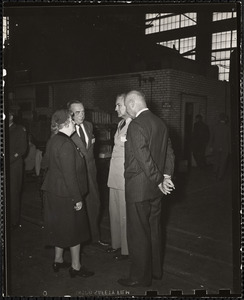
<point x="166" y="92"/>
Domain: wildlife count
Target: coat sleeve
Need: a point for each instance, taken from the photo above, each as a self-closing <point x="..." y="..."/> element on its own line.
<point x="142" y="154"/>
<point x="170" y="160"/>
<point x="68" y="167"/>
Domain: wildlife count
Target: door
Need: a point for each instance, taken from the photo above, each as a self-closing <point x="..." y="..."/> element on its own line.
<point x="191" y="105"/>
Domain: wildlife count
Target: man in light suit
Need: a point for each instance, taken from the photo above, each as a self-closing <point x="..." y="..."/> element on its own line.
<point x="149" y="164"/>
<point x="84" y="139"/>
<point x="116" y="184"/>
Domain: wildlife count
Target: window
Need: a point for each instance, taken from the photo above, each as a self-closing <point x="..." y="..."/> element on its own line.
<point x="168" y="21"/>
<point x="187" y="44"/>
<point x="217" y="16"/>
<point x="182" y="45"/>
<point x="222" y="42"/>
<point x="5" y="29"/>
<point x="222" y="45"/>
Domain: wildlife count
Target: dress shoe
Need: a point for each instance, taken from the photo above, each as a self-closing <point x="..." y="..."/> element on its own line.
<point x="121" y="257"/>
<point x="131" y="283"/>
<point x="103" y="243"/>
<point x="100" y="244"/>
<point x="112" y="250"/>
<point x="56" y="266"/>
<point x="83" y="272"/>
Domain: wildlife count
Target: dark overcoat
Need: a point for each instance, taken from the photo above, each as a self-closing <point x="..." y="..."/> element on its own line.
<point x="65" y="185"/>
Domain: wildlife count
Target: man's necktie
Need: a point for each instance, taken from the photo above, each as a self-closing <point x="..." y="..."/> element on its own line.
<point x="122" y="125"/>
<point x="82" y="135"/>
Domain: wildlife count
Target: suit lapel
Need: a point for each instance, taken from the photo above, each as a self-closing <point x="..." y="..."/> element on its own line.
<point x="79" y="143"/>
<point x="89" y="134"/>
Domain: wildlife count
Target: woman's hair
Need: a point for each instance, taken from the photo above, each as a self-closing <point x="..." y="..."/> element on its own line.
<point x="60" y="119"/>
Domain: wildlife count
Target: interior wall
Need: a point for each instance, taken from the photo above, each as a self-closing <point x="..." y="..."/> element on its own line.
<point x="164" y="90"/>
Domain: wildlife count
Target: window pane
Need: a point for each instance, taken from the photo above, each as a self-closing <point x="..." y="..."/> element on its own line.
<point x="193" y="56"/>
<point x="221" y="40"/>
<point x="187" y="44"/>
<point x="217" y="16"/>
<point x="171" y="44"/>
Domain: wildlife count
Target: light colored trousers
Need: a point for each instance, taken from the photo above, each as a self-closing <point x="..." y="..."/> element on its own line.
<point x="117" y="212"/>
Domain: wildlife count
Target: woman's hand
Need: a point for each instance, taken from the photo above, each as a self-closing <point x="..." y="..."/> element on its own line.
<point x="78" y="206"/>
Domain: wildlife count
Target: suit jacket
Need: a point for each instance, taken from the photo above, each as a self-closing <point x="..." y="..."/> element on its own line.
<point x="116" y="178"/>
<point x="221" y="140"/>
<point x="87" y="151"/>
<point x="17" y="142"/>
<point x="66" y="175"/>
<point x="148" y="156"/>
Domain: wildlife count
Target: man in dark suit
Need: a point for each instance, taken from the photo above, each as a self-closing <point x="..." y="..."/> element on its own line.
<point x="84" y="139"/>
<point x="17" y="148"/>
<point x="200" y="137"/>
<point x="221" y="146"/>
<point x="149" y="164"/>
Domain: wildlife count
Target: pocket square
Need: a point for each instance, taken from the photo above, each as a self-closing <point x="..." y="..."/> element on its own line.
<point x="123" y="139"/>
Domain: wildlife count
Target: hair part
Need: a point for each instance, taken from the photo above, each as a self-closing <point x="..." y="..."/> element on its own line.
<point x="73" y="102"/>
<point x="123" y="95"/>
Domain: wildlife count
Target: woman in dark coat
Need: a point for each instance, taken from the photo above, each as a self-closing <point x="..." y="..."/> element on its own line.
<point x="65" y="185"/>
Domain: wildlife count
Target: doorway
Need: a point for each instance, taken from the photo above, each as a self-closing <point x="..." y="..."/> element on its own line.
<point x="191" y="105"/>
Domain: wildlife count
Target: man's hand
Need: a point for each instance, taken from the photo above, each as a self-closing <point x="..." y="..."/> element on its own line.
<point x="167" y="186"/>
<point x="78" y="206"/>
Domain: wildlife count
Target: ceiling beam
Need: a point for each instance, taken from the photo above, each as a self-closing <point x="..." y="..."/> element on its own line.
<point x="13" y="8"/>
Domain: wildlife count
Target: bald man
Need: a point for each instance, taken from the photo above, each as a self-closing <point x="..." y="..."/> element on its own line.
<point x="149" y="164"/>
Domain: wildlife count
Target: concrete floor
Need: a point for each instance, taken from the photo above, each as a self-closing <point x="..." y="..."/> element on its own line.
<point x="198" y="246"/>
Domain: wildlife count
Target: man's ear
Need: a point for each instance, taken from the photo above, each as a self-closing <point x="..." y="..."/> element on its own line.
<point x="132" y="103"/>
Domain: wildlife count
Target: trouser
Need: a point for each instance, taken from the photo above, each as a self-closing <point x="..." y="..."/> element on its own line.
<point x="220" y="163"/>
<point x="117" y="213"/>
<point x="145" y="239"/>
<point x="93" y="208"/>
<point x="16" y="177"/>
<point x="199" y="157"/>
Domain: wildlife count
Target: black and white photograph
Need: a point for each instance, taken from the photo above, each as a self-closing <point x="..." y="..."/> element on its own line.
<point x="121" y="150"/>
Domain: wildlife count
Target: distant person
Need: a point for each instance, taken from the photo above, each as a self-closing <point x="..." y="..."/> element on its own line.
<point x="30" y="159"/>
<point x="200" y="138"/>
<point x="84" y="139"/>
<point x="220" y="144"/>
<point x="17" y="148"/>
<point x="116" y="184"/>
<point x="149" y="163"/>
<point x="65" y="185"/>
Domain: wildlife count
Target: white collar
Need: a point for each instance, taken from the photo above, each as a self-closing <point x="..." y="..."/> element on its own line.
<point x="140" y="111"/>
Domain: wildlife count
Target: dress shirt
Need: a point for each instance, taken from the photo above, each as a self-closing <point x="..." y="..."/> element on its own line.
<point x="81" y="127"/>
